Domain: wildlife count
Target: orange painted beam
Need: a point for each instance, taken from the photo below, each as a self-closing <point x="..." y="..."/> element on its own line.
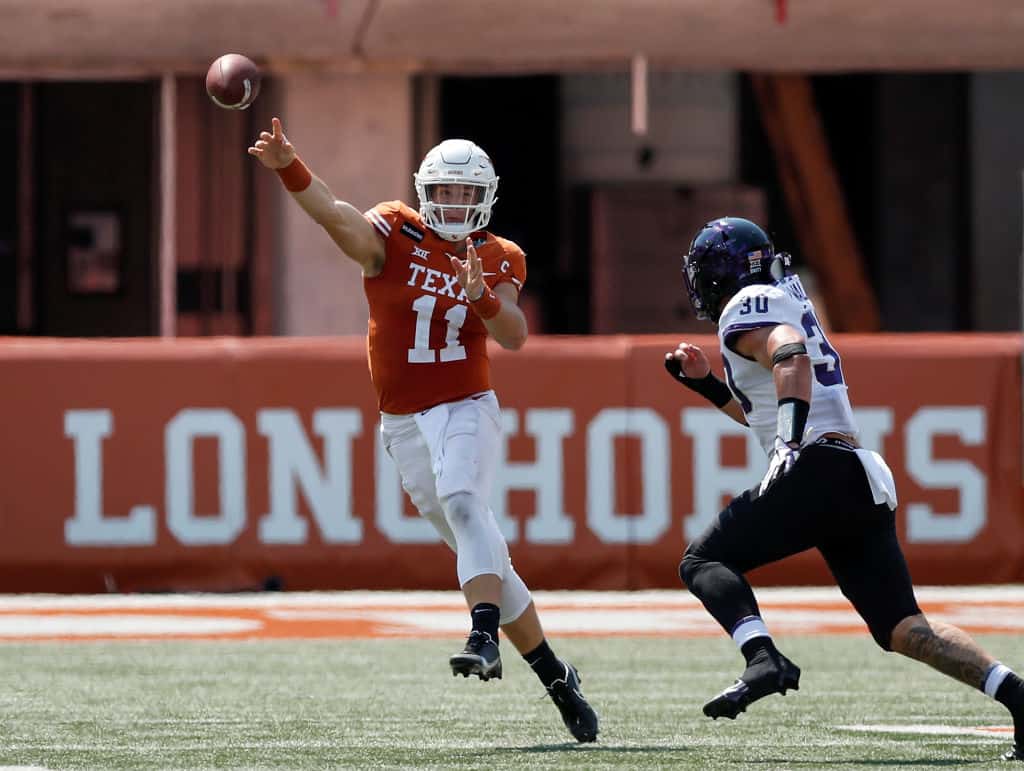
<point x="815" y="200"/>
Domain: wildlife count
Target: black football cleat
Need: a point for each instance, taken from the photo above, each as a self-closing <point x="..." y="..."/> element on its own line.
<point x="777" y="675"/>
<point x="1016" y="752"/>
<point x="480" y="657"/>
<point x="578" y="716"/>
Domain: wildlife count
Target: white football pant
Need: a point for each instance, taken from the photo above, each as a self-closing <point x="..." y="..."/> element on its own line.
<point x="447" y="457"/>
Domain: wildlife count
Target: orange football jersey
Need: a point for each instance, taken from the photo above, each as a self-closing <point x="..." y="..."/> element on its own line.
<point x="425" y="345"/>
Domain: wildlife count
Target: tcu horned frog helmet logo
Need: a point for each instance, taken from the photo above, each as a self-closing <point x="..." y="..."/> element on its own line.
<point x="456" y="162"/>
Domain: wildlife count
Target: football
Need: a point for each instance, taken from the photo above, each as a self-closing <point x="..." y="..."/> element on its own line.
<point x="233" y="81"/>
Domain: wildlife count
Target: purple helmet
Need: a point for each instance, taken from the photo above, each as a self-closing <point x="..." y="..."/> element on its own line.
<point x="725" y="256"/>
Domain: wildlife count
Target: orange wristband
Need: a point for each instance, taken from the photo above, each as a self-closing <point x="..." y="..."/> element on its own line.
<point x="295" y="176"/>
<point x="486" y="305"/>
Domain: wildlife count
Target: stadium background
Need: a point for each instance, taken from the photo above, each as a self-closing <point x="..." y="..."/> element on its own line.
<point x="880" y="145"/>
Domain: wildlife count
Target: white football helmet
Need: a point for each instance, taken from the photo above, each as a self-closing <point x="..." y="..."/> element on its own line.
<point x="456" y="162"/>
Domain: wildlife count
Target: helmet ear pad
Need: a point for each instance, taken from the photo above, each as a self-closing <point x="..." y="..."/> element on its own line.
<point x="777" y="270"/>
<point x="780" y="265"/>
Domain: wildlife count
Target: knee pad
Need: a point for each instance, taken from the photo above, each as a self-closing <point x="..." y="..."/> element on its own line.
<point x="460" y="509"/>
<point x="689" y="566"/>
<point x="437" y="518"/>
<point x="515" y="597"/>
<point x="479" y="544"/>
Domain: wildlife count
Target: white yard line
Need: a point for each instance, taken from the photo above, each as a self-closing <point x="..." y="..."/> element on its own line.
<point x="667" y="597"/>
<point x="996" y="733"/>
<point x="416" y="614"/>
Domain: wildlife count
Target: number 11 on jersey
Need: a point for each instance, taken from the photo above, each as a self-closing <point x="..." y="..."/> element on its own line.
<point x="421" y="352"/>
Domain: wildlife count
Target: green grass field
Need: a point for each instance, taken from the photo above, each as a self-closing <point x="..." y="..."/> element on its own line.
<point x="393" y="704"/>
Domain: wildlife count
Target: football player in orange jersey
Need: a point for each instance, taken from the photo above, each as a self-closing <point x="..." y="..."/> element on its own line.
<point x="438" y="284"/>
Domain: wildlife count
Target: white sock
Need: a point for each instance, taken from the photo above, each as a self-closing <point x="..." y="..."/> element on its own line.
<point x="747" y="629"/>
<point x="995" y="678"/>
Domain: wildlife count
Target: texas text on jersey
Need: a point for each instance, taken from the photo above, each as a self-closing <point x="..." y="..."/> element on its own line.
<point x="424" y="346"/>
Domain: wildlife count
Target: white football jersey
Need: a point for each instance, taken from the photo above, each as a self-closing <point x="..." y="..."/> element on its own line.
<point x="764" y="305"/>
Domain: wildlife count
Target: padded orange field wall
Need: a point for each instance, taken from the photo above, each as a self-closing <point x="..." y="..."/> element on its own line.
<point x="219" y="464"/>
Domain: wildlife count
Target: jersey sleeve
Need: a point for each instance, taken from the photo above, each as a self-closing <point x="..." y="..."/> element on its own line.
<point x="511" y="266"/>
<point x="385" y="218"/>
<point x="754" y="307"/>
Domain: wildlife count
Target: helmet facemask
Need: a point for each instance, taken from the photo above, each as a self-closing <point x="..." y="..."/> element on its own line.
<point x="709" y="281"/>
<point x="454" y="210"/>
<point x="691" y="274"/>
<point x="457" y="188"/>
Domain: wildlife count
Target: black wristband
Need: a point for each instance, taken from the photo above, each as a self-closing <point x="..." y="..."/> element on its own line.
<point x="792" y="419"/>
<point x="709" y="386"/>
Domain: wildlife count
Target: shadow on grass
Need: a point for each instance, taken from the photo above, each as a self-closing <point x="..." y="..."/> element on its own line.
<point x="588" y="748"/>
<point x="947" y="763"/>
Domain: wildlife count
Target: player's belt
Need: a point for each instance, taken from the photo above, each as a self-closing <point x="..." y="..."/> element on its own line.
<point x="833" y="440"/>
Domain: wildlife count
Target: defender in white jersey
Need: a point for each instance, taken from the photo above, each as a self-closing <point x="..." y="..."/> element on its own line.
<point x="783" y="303"/>
<point x="822" y="490"/>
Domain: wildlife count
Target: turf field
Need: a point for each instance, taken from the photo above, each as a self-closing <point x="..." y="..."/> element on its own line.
<point x="379" y="702"/>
